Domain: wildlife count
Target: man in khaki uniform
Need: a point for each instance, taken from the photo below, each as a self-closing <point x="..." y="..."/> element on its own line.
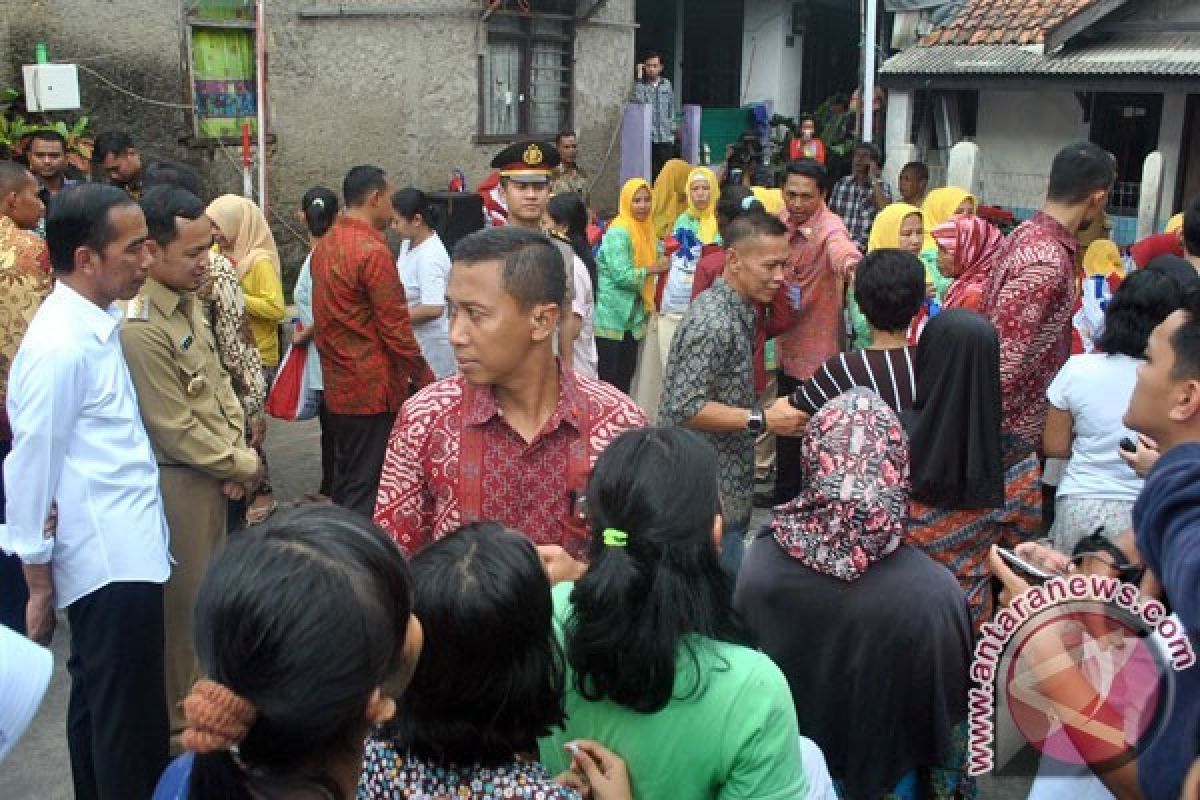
<point x="190" y="411"/>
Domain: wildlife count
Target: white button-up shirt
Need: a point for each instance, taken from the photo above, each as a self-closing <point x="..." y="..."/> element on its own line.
<point x="78" y="441"/>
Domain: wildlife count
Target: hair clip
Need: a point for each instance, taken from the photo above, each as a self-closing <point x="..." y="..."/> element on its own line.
<point x="615" y="538"/>
<point x="749" y="202"/>
<point x="318" y="202"/>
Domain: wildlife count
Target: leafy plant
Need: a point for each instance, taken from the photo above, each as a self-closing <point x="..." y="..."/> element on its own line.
<point x="16" y="132"/>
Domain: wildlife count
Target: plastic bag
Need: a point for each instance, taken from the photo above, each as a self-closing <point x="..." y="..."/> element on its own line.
<point x="678" y="293"/>
<point x="291" y="397"/>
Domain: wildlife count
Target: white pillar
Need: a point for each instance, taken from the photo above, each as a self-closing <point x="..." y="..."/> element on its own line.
<point x="963" y="167"/>
<point x="1150" y="197"/>
<point x="897" y="148"/>
<point x="868" y="94"/>
<point x="1170" y="144"/>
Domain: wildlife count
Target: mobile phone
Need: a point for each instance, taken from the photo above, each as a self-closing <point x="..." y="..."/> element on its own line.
<point x="1128" y="446"/>
<point x="1028" y="571"/>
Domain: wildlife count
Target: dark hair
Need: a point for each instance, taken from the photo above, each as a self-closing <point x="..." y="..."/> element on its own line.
<point x="1079" y="169"/>
<point x="1186" y="341"/>
<point x="12" y="176"/>
<point x="110" y="143"/>
<point x="490" y="679"/>
<point x="172" y="173"/>
<point x="48" y="135"/>
<point x="360" y="181"/>
<point x="163" y="205"/>
<point x="918" y="167"/>
<point x="637" y="605"/>
<point x="303" y="616"/>
<point x="889" y="286"/>
<point x="649" y="54"/>
<point x="320" y="207"/>
<point x="564" y="135"/>
<point x="1178" y="268"/>
<point x="810" y="168"/>
<point x="751" y="224"/>
<point x="410" y="202"/>
<point x="733" y="204"/>
<point x="1191" y="227"/>
<point x="1144" y="299"/>
<point x="532" y="266"/>
<point x="568" y="208"/>
<point x="80" y="216"/>
<point x="871" y="149"/>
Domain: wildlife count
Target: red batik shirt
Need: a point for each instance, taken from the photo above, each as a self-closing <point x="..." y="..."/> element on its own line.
<point x="1029" y="300"/>
<point x="524" y="486"/>
<point x="24" y="283"/>
<point x="369" y="355"/>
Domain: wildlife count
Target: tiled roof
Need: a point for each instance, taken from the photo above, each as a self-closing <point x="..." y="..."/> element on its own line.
<point x="1005" y="21"/>
<point x="1163" y="55"/>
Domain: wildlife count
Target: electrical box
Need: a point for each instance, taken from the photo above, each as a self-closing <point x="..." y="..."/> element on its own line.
<point x="51" y="87"/>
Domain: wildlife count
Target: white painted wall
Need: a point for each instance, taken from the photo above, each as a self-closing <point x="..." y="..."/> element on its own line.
<point x="770" y="68"/>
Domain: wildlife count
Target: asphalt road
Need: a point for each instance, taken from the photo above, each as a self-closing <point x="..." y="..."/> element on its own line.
<point x="39" y="767"/>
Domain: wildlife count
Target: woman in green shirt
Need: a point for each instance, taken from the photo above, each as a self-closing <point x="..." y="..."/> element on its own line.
<point x="656" y="668"/>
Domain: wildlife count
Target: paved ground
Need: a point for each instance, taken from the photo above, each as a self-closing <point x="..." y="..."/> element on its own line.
<point x="39" y="768"/>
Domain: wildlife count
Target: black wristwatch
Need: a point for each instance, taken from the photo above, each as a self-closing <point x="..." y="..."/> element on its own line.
<point x="756" y="423"/>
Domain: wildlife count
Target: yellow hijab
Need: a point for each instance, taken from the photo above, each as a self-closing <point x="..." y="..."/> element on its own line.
<point x="670" y="195"/>
<point x="1174" y="223"/>
<point x="1103" y="257"/>
<point x="641" y="234"/>
<point x="707" y="230"/>
<point x="771" y="199"/>
<point x="885" y="232"/>
<point x="939" y="207"/>
<point x="243" y="224"/>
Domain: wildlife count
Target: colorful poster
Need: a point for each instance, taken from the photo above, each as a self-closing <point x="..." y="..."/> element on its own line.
<point x="224" y="81"/>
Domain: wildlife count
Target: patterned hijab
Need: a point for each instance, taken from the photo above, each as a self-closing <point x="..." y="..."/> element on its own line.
<point x="971" y="242"/>
<point x="249" y="235"/>
<point x="852" y="508"/>
<point x="670" y="195"/>
<point x="885" y="231"/>
<point x="707" y="230"/>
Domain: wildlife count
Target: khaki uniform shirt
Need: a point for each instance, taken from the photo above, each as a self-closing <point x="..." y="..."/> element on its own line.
<point x="186" y="399"/>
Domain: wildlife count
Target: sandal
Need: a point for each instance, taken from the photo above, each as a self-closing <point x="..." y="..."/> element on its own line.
<point x="256" y="515"/>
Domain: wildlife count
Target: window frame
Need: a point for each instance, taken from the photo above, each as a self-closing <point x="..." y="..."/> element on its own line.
<point x="525" y="41"/>
<point x="192" y="22"/>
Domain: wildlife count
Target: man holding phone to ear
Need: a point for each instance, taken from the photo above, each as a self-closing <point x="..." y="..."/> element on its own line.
<point x="655" y="91"/>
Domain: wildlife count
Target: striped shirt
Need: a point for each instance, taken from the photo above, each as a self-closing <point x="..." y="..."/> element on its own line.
<point x="888" y="373"/>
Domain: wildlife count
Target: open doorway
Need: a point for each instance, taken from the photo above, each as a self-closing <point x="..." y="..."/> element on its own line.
<point x="1188" y="184"/>
<point x="709" y="51"/>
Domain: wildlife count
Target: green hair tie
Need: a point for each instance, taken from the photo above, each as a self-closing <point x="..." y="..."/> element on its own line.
<point x="615" y="538"/>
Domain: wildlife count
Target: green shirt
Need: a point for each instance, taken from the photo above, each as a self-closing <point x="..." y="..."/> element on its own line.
<point x="734" y="738"/>
<point x="619" y="306"/>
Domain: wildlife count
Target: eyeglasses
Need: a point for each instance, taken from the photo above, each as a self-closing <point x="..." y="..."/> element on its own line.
<point x="1099" y="547"/>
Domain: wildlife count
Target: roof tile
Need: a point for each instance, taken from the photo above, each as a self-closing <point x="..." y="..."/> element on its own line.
<point x="1005" y="21"/>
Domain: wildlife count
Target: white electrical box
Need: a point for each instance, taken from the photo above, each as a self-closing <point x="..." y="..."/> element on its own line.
<point x="51" y="87"/>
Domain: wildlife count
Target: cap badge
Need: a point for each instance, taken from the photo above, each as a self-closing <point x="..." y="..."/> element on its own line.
<point x="533" y="155"/>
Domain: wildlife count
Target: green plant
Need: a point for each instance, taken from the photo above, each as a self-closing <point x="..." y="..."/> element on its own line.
<point x="16" y="131"/>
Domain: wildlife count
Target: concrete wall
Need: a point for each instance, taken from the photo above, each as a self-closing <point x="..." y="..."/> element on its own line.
<point x="770" y="67"/>
<point x="400" y="91"/>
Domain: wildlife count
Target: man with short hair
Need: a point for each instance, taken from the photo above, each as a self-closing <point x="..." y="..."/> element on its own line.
<point x="821" y="265"/>
<point x="113" y="153"/>
<point x="654" y="90"/>
<point x="862" y="194"/>
<point x="370" y="358"/>
<point x="47" y="156"/>
<point x="190" y="411"/>
<point x="525" y="173"/>
<point x="536" y="426"/>
<point x="79" y="446"/>
<point x="1189" y="233"/>
<point x="568" y="176"/>
<point x="1032" y="290"/>
<point x="708" y="384"/>
<point x="913" y="183"/>
<point x="24" y="283"/>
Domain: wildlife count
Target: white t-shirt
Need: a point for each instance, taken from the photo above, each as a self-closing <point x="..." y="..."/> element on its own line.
<point x="424" y="271"/>
<point x="1095" y="389"/>
<point x="584" y="304"/>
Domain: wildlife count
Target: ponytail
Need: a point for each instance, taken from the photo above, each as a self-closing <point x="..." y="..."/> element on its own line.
<point x="411" y="202"/>
<point x="320" y="208"/>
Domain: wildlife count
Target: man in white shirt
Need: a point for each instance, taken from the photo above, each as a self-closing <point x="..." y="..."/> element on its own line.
<point x="79" y="446"/>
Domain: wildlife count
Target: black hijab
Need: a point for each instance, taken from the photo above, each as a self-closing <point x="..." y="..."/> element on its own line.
<point x="954" y="425"/>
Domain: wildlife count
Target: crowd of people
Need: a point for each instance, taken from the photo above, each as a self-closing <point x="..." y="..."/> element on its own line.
<point x="530" y="569"/>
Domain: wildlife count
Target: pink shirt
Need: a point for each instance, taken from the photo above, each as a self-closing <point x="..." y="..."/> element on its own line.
<point x="821" y="261"/>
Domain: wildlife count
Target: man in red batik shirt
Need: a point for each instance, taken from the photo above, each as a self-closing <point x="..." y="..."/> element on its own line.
<point x="536" y="425"/>
<point x="369" y="355"/>
<point x="1032" y="290"/>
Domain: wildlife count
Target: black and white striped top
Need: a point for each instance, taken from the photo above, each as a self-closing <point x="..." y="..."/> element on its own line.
<point x="888" y="373"/>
